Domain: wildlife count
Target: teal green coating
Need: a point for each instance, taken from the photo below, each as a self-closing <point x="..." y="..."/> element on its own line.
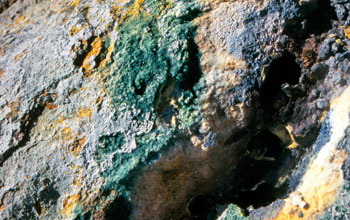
<point x="233" y="213"/>
<point x="150" y="66"/>
<point x="146" y="59"/>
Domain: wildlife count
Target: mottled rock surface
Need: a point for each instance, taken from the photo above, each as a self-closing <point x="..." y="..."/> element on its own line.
<point x="174" y="109"/>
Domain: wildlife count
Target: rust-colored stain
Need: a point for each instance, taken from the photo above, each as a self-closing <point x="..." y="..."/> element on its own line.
<point x="77" y="182"/>
<point x="2" y="52"/>
<point x="318" y="192"/>
<point x="19" y="19"/>
<point x="309" y="52"/>
<point x="136" y="8"/>
<point x="324" y="177"/>
<point x="14" y="106"/>
<point x="50" y="106"/>
<point x="76" y="29"/>
<point x="1" y="72"/>
<point x="59" y="121"/>
<point x="99" y="100"/>
<point x="76" y="169"/>
<point x="196" y="141"/>
<point x="75" y="3"/>
<point x="347" y="32"/>
<point x="85" y="112"/>
<point x="19" y="56"/>
<point x="70" y="202"/>
<point x="96" y="49"/>
<point x="293" y="143"/>
<point x="108" y="56"/>
<point x="120" y="14"/>
<point x="2" y="203"/>
<point x="77" y="145"/>
<point x="67" y="134"/>
<point x="29" y="21"/>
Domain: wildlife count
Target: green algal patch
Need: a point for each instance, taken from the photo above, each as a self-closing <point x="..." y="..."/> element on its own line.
<point x="155" y="61"/>
<point x="233" y="213"/>
<point x="151" y="51"/>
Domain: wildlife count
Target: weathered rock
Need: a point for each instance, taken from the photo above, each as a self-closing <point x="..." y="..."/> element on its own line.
<point x="174" y="109"/>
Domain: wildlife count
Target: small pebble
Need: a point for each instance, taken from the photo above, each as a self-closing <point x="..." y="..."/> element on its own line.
<point x="322" y="104"/>
<point x="325" y="51"/>
<point x="336" y="48"/>
<point x="300" y="214"/>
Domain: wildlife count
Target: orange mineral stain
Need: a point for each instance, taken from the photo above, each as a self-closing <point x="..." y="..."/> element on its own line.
<point x="323" y="179"/>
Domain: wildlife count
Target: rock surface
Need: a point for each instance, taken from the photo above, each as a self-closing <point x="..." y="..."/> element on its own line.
<point x="174" y="109"/>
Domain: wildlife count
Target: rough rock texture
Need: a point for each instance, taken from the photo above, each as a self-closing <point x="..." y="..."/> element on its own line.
<point x="174" y="109"/>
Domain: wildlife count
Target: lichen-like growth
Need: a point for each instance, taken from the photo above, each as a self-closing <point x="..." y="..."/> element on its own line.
<point x="151" y="51"/>
<point x="233" y="213"/>
<point x="152" y="64"/>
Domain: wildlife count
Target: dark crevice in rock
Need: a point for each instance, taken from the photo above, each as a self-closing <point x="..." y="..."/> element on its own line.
<point x="119" y="209"/>
<point x="103" y="52"/>
<point x="199" y="207"/>
<point x="321" y="20"/>
<point x="258" y="173"/>
<point x="85" y="49"/>
<point x="27" y="124"/>
<point x="282" y="70"/>
<point x="264" y="144"/>
<point x="162" y="99"/>
<point x="140" y="88"/>
<point x="261" y="196"/>
<point x="193" y="68"/>
<point x="38" y="208"/>
<point x="237" y="135"/>
<point x="318" y="19"/>
<point x="254" y="183"/>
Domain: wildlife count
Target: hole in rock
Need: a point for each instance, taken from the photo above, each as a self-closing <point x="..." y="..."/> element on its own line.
<point x="282" y="70"/>
<point x="199" y="207"/>
<point x="265" y="144"/>
<point x="261" y="195"/>
<point x="141" y="88"/>
<point x="102" y="55"/>
<point x="119" y="209"/>
<point x="191" y="188"/>
<point x="320" y="21"/>
<point x="85" y="49"/>
<point x="256" y="179"/>
<point x="192" y="69"/>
